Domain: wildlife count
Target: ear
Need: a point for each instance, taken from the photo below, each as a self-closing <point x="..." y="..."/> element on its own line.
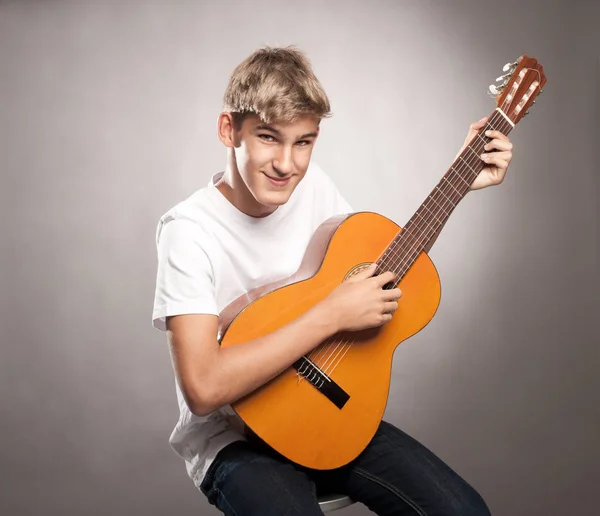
<point x="226" y="130"/>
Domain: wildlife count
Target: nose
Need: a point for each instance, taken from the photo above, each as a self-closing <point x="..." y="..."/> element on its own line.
<point x="283" y="162"/>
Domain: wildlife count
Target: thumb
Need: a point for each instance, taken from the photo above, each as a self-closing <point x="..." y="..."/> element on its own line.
<point x="475" y="126"/>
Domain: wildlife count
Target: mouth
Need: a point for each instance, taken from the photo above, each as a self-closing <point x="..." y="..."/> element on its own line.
<point x="277" y="181"/>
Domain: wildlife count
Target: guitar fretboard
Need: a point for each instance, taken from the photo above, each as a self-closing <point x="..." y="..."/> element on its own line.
<point x="408" y="244"/>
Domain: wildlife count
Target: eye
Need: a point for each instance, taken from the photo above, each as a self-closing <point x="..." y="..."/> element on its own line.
<point x="303" y="143"/>
<point x="266" y="137"/>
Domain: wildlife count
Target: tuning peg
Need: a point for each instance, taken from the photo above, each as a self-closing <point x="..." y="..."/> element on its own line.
<point x="493" y="90"/>
<point x="510" y="66"/>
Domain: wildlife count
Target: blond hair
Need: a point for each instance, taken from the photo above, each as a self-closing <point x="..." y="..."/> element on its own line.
<point x="277" y="84"/>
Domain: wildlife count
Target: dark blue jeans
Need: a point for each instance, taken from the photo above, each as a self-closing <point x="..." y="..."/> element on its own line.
<point x="394" y="475"/>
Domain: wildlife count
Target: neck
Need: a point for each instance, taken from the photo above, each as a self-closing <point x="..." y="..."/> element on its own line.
<point x="433" y="213"/>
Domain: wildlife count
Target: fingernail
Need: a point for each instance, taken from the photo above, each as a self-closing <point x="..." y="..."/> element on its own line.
<point x="488" y="133"/>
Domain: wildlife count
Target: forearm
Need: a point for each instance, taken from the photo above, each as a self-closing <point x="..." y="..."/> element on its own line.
<point x="238" y="370"/>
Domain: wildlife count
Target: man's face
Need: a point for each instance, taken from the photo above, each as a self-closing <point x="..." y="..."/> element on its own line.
<point x="273" y="158"/>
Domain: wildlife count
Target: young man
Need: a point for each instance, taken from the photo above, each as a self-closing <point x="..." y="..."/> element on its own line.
<point x="248" y="227"/>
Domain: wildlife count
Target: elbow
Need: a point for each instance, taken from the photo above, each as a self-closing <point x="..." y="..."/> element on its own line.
<point x="204" y="401"/>
<point x="201" y="408"/>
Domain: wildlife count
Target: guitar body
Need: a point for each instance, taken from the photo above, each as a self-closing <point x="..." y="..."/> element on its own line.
<point x="289" y="412"/>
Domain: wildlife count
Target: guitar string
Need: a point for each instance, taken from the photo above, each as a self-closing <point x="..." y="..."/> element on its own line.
<point x="333" y="355"/>
<point x="346" y="345"/>
<point x="489" y="122"/>
<point x="316" y="357"/>
<point x="321" y="349"/>
<point x="410" y="258"/>
<point x="398" y="252"/>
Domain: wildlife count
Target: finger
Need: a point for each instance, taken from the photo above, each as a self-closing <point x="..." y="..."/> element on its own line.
<point x="385" y="318"/>
<point x="390" y="306"/>
<point x="496" y="134"/>
<point x="498" y="161"/>
<point x="503" y="155"/>
<point x="365" y="273"/>
<point x="392" y="295"/>
<point x="475" y="126"/>
<point x="501" y="167"/>
<point x="385" y="278"/>
<point x="497" y="143"/>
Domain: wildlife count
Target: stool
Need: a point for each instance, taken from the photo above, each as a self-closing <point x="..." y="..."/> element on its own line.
<point x="333" y="502"/>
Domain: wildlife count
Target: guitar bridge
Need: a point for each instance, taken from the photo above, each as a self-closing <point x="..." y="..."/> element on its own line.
<point x="308" y="370"/>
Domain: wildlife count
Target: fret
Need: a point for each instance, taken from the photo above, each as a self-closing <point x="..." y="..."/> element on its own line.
<point x="476" y="154"/>
<point x="440" y="190"/>
<point x="427" y="223"/>
<point x="451" y="185"/>
<point x="433" y="213"/>
<point x="481" y="138"/>
<point x="441" y="209"/>
<point x="468" y="165"/>
<point x="492" y="127"/>
<point x="460" y="177"/>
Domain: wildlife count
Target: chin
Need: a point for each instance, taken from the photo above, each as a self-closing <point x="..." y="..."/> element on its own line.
<point x="271" y="198"/>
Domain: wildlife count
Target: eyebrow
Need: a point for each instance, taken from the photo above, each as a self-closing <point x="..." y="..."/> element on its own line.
<point x="266" y="127"/>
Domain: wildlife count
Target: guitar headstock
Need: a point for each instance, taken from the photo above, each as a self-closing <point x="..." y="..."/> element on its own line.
<point x="521" y="84"/>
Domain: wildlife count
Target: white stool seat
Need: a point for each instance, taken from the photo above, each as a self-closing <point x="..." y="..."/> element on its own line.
<point x="333" y="502"/>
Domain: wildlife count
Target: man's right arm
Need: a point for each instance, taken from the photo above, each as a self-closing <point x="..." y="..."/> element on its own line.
<point x="210" y="376"/>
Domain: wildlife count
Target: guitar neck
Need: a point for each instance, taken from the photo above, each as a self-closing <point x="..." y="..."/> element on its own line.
<point x="433" y="213"/>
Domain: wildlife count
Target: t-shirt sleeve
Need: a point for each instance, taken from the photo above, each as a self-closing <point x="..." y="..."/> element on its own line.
<point x="185" y="277"/>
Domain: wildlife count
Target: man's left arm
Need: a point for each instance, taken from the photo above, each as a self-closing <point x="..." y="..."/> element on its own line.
<point x="497" y="158"/>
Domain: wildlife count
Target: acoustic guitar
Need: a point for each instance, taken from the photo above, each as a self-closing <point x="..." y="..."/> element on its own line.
<point x="323" y="411"/>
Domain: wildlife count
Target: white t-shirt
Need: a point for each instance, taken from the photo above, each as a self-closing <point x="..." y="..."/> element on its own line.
<point x="210" y="253"/>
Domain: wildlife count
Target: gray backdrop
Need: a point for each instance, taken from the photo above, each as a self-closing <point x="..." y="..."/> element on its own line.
<point x="108" y="114"/>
